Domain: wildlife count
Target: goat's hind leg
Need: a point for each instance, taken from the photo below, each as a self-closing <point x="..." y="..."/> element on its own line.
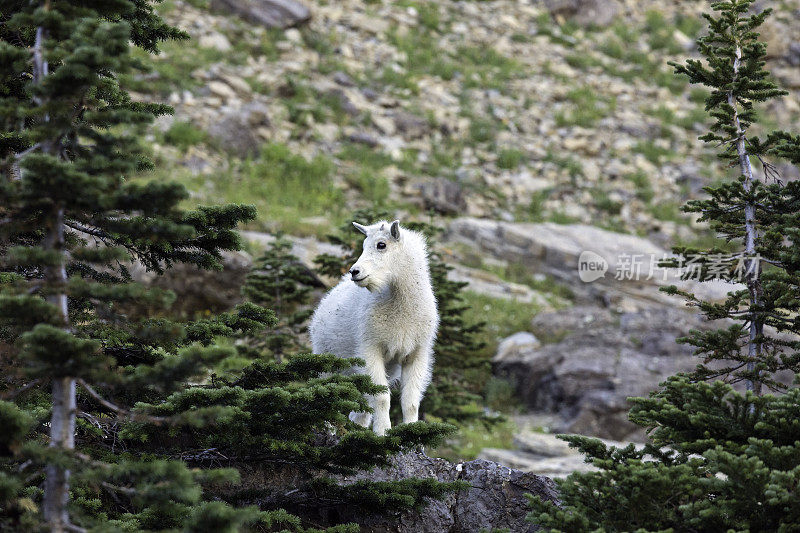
<point x="414" y="378"/>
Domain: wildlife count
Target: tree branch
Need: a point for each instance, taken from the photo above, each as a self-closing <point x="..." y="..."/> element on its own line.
<point x="121" y="410"/>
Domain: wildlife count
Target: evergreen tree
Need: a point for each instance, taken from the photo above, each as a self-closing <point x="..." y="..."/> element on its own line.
<point x="460" y="372"/>
<point x="279" y="281"/>
<point x="70" y="222"/>
<point x="159" y="455"/>
<point x="718" y="459"/>
<point x="285" y="427"/>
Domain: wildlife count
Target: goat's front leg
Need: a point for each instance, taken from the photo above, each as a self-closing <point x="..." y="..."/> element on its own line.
<point x="414" y="378"/>
<point x="376" y="370"/>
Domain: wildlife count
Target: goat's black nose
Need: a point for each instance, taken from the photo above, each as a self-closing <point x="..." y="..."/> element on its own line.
<point x="354" y="272"/>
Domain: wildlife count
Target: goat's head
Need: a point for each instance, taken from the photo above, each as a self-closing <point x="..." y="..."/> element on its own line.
<point x="375" y="268"/>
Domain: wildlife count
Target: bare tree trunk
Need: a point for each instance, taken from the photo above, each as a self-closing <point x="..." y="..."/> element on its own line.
<point x="753" y="268"/>
<point x="62" y="419"/>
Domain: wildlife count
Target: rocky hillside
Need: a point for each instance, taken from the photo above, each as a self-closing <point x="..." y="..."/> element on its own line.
<point x="556" y="110"/>
<point x="531" y="130"/>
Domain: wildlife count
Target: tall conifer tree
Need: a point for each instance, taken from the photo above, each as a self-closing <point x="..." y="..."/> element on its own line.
<point x="719" y="459"/>
<point x="70" y="222"/>
<point x="123" y="419"/>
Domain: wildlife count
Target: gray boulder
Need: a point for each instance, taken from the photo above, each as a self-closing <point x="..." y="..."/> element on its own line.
<point x="494" y="500"/>
<point x="512" y="344"/>
<point x="585" y="12"/>
<point x="270" y="13"/>
<point x="555" y="250"/>
<point x="410" y="126"/>
<point x="443" y="196"/>
<point x="596" y="359"/>
<point x="236" y="130"/>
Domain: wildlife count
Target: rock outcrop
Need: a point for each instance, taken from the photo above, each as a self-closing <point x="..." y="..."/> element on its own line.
<point x="240" y="130"/>
<point x="495" y="499"/>
<point x="596" y="359"/>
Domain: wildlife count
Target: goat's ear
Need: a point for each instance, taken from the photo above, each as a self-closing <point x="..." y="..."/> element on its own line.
<point x="395" y="229"/>
<point x="360" y="228"/>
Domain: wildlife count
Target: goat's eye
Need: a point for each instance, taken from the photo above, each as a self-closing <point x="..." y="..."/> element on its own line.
<point x="381" y="245"/>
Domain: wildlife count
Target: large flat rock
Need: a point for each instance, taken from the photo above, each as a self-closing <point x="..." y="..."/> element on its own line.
<point x="554" y="250"/>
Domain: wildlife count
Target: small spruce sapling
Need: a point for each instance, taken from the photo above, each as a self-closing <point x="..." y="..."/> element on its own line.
<point x="279" y="281"/>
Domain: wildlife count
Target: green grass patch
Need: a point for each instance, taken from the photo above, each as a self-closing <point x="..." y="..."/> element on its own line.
<point x="698" y="95"/>
<point x="614" y="48"/>
<point x="294" y="186"/>
<point x="569" y="163"/>
<point x="373" y="187"/>
<point x="559" y="217"/>
<point x="582" y="60"/>
<point x="633" y="63"/>
<point x="285" y="188"/>
<point x="184" y="134"/>
<point x="694" y="116"/>
<point x="662" y="113"/>
<point x="365" y="156"/>
<point x="474" y="437"/>
<point x="689" y="25"/>
<point x="510" y="158"/>
<point x="486" y="68"/>
<point x="535" y="210"/>
<point x="502" y="316"/>
<point x="625" y="32"/>
<point x="302" y="100"/>
<point x="586" y="108"/>
<point x="660" y="32"/>
<point x="545" y="25"/>
<point x="604" y="202"/>
<point x="399" y="79"/>
<point x="482" y="130"/>
<point x="676" y="84"/>
<point x="644" y="189"/>
<point x="651" y="151"/>
<point x="667" y="211"/>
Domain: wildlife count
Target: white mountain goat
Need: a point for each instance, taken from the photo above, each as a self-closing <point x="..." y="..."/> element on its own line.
<point x="384" y="312"/>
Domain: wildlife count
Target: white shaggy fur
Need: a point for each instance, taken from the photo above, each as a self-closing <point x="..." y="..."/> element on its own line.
<point x="384" y="312"/>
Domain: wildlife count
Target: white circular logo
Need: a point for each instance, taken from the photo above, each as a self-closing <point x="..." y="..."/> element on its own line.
<point x="591" y="266"/>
